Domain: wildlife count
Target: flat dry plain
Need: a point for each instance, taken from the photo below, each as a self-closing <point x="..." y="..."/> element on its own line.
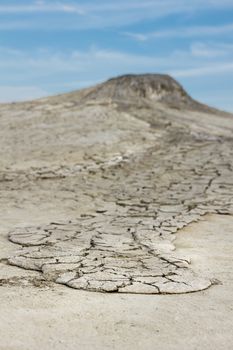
<point x="116" y="220"/>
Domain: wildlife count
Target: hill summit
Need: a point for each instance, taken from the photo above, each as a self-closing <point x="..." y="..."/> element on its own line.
<point x="149" y="86"/>
<point x="141" y="88"/>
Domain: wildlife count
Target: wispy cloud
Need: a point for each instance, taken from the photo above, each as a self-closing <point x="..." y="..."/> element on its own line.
<point x="184" y="32"/>
<point x="92" y="61"/>
<point x="200" y="49"/>
<point x="40" y="7"/>
<point x="213" y="69"/>
<point x="48" y="62"/>
<point x="103" y="14"/>
<point x="98" y="64"/>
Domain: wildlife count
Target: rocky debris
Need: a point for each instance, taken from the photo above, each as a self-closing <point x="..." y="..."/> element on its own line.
<point x="128" y="179"/>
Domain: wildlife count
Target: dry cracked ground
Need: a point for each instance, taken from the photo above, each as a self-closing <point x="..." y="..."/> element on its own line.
<point x="96" y="186"/>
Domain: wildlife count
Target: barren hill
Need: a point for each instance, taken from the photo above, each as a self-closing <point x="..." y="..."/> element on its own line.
<point x="95" y="184"/>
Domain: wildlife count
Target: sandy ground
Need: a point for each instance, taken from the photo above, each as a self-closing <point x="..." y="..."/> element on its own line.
<point x="95" y="185"/>
<point x="57" y="317"/>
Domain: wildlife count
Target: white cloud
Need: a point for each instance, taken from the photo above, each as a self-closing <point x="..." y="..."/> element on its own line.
<point x="77" y="60"/>
<point x="204" y="50"/>
<point x="95" y="64"/>
<point x="45" y="62"/>
<point x="136" y="36"/>
<point x="40" y="6"/>
<point x="186" y="32"/>
<point x="100" y="14"/>
<point x="213" y="69"/>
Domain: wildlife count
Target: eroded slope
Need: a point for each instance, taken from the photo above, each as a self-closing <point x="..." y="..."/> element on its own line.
<point x="129" y="175"/>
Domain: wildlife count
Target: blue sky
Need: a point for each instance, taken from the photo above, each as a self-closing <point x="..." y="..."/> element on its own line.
<point x="49" y="46"/>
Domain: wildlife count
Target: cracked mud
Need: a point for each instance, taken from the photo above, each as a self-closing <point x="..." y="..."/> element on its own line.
<point x="121" y="180"/>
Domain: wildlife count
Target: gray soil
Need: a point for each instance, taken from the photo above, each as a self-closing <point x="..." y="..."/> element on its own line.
<point x="126" y="188"/>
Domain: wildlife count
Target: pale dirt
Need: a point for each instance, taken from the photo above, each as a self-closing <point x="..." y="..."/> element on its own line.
<point x="128" y="172"/>
<point x="57" y="317"/>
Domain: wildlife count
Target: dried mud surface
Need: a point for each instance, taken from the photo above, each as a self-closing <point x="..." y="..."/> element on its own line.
<point x="108" y="181"/>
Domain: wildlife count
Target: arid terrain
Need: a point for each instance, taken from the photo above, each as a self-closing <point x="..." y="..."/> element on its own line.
<point x="116" y="220"/>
